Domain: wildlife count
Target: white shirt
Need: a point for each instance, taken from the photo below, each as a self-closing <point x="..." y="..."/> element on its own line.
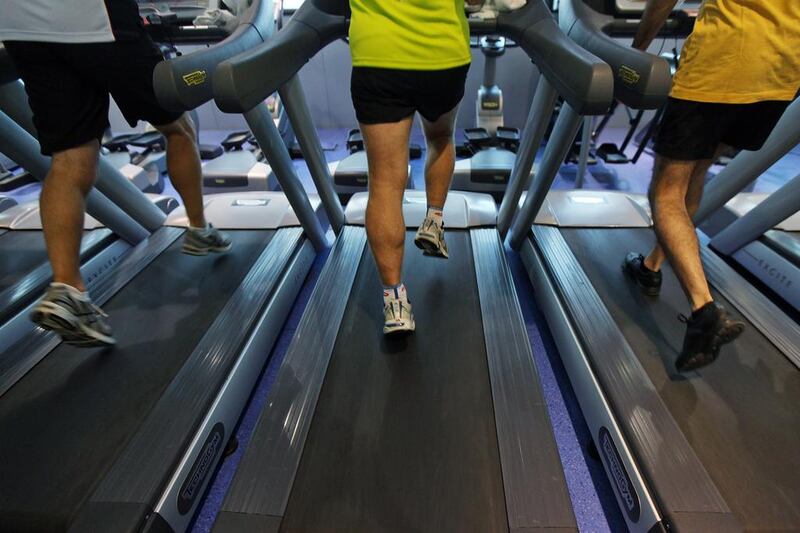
<point x="56" y="21"/>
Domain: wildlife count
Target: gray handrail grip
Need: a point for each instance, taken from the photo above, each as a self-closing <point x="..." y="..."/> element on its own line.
<point x="241" y="82"/>
<point x="184" y="83"/>
<point x="581" y="79"/>
<point x="642" y="80"/>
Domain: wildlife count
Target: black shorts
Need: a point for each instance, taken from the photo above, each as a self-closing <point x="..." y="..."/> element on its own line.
<point x="383" y="95"/>
<point x="68" y="87"/>
<point x="691" y="131"/>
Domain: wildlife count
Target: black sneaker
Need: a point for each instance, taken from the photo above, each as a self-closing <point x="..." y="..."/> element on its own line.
<point x="707" y="330"/>
<point x="72" y="316"/>
<point x="647" y="280"/>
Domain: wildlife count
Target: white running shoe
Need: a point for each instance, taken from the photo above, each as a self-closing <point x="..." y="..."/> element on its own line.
<point x="398" y="317"/>
<point x="76" y="319"/>
<point x="430" y="238"/>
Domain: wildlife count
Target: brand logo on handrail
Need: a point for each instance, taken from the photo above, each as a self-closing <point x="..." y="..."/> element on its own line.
<point x="628" y="75"/>
<point x="198" y="77"/>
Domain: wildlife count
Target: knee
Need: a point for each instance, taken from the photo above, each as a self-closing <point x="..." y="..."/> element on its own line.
<point x="440" y="142"/>
<point x="181" y="129"/>
<point x="75" y="166"/>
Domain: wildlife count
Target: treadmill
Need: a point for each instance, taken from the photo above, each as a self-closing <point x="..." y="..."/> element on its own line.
<point x="124" y="439"/>
<point x="711" y="450"/>
<point x="759" y="233"/>
<point x="442" y="430"/>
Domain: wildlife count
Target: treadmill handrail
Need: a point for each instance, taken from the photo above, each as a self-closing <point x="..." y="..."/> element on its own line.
<point x="243" y="81"/>
<point x="184" y="83"/>
<point x="641" y="80"/>
<point x="582" y="79"/>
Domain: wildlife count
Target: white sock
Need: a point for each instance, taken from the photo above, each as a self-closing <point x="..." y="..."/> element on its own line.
<point x="394" y="292"/>
<point x="72" y="290"/>
<point x="203" y="229"/>
<point x="435" y="213"/>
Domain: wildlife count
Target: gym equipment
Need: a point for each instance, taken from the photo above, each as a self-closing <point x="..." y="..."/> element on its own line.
<point x="152" y="159"/>
<point x="392" y="411"/>
<point x="678" y="449"/>
<point x="491" y="145"/>
<point x="192" y="334"/>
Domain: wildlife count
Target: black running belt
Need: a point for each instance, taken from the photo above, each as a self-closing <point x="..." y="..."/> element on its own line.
<point x="740" y="415"/>
<point x="24" y="270"/>
<point x="404" y="437"/>
<point x="20" y="252"/>
<point x="65" y="422"/>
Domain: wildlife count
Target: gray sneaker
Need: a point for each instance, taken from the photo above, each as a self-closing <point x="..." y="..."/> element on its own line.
<point x="202" y="241"/>
<point x="430" y="238"/>
<point x="76" y="320"/>
<point x="398" y="317"/>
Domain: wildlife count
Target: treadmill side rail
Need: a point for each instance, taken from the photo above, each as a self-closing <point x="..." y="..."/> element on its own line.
<point x="535" y="488"/>
<point x="768" y="266"/>
<point x="685" y="495"/>
<point x="278" y="439"/>
<point x="151" y="458"/>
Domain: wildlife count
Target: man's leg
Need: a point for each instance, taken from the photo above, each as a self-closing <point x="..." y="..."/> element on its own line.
<point x="694" y="195"/>
<point x="439" y="167"/>
<point x="673" y="225"/>
<point x="183" y="164"/>
<point x="387" y="156"/>
<point x="62" y="203"/>
<point x="66" y="307"/>
<point x="441" y="157"/>
<point x="186" y="174"/>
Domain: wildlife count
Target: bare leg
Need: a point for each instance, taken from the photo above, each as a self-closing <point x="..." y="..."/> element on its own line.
<point x="674" y="228"/>
<point x="694" y="195"/>
<point x="62" y="203"/>
<point x="387" y="156"/>
<point x="441" y="157"/>
<point x="183" y="163"/>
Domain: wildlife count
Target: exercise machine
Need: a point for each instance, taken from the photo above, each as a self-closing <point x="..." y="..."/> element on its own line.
<point x="192" y="335"/>
<point x="415" y="416"/>
<point x="682" y="451"/>
<point x="490" y="145"/>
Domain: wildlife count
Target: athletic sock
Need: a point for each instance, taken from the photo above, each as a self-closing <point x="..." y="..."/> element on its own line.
<point x="394" y="292"/>
<point x="435" y="212"/>
<point x="201" y="230"/>
<point x="75" y="293"/>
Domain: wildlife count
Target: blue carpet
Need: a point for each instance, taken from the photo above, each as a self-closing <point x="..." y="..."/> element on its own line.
<point x="593" y="501"/>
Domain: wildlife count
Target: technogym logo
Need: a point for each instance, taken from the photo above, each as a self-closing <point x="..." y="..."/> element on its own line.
<point x="619" y="476"/>
<point x="201" y="468"/>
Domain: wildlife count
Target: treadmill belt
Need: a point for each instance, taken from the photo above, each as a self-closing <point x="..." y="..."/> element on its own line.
<point x="63" y="425"/>
<point x="403" y="437"/>
<point x="20" y="252"/>
<point x="741" y="414"/>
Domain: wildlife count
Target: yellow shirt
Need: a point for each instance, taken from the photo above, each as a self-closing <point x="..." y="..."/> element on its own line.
<point x="741" y="52"/>
<point x="409" y="34"/>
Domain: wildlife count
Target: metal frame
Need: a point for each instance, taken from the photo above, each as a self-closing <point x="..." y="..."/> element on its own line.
<point x="535" y="489"/>
<point x="167" y="463"/>
<point x="748" y="166"/>
<point x="110" y="183"/>
<point x="277" y="443"/>
<point x="684" y="495"/>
